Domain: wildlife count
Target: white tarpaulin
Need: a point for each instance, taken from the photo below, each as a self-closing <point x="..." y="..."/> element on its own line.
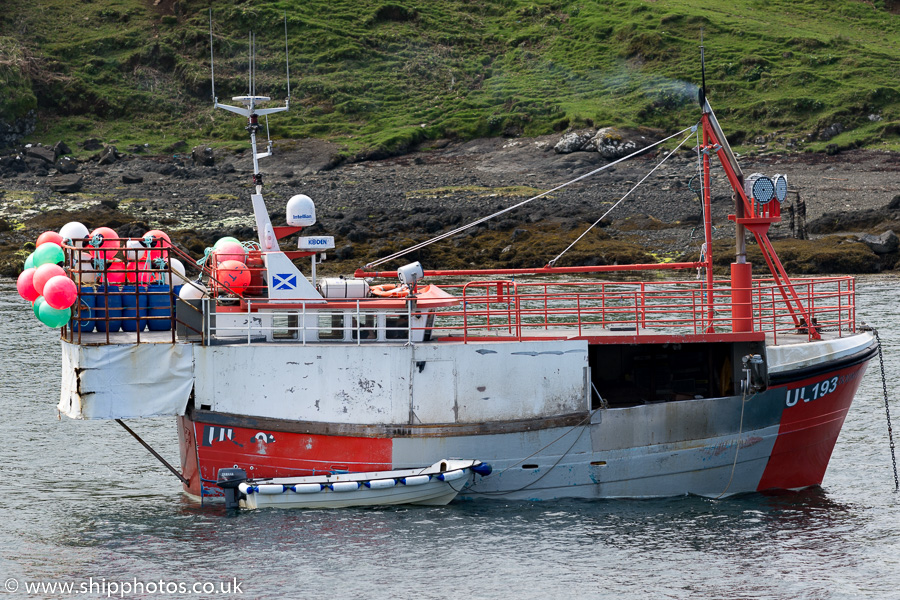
<point x="125" y="381"/>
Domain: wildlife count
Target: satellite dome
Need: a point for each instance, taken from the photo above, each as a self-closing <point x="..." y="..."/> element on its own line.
<point x="301" y="211"/>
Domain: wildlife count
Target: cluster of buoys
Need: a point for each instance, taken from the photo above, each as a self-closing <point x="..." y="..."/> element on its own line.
<point x="99" y="259"/>
<point x="45" y="283"/>
<point x="106" y="276"/>
<point x="229" y="268"/>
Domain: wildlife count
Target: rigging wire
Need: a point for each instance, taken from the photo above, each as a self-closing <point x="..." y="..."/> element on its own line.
<point x="622" y="199"/>
<point x="700" y="196"/>
<point x="699" y="175"/>
<point x="462" y="228"/>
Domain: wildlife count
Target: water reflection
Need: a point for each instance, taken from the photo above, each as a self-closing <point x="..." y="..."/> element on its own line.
<point x="96" y="504"/>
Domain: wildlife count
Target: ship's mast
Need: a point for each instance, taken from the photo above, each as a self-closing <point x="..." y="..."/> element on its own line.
<point x="740" y="246"/>
<point x="267" y="238"/>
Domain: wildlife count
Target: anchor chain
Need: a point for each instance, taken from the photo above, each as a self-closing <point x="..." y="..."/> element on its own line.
<point x="887" y="410"/>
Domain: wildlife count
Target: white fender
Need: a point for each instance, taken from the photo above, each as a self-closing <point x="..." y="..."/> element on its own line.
<point x="415" y="480"/>
<point x="452" y="475"/>
<point x="307" y="488"/>
<point x="381" y="484"/>
<point x="345" y="486"/>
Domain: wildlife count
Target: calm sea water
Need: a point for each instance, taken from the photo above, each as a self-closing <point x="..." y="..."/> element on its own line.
<point x="84" y="504"/>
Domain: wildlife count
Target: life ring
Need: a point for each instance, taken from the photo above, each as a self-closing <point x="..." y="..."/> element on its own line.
<point x="390" y="290"/>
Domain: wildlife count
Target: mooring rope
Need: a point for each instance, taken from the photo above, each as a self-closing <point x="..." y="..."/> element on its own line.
<point x="581" y="426"/>
<point x="737" y="448"/>
<point x="622" y="199"/>
<point x="462" y="228"/>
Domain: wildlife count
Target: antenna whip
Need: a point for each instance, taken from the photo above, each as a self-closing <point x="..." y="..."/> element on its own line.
<point x="287" y="63"/>
<point x="212" y="67"/>
<point x="702" y="95"/>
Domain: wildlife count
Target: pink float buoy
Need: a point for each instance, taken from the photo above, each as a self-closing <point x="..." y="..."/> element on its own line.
<point x="115" y="273"/>
<point x="60" y="292"/>
<point x="106" y="239"/>
<point x="49" y="237"/>
<point x="136" y="272"/>
<point x="230" y="251"/>
<point x="234" y="275"/>
<point x="43" y="274"/>
<point x="25" y="285"/>
<point x="157" y="239"/>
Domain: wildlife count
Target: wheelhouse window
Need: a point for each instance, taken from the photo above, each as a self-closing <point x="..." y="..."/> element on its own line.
<point x="331" y="326"/>
<point x="285" y="326"/>
<point x="396" y="326"/>
<point x="365" y="327"/>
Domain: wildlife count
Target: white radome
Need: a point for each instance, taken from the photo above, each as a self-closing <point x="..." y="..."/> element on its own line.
<point x="301" y="211"/>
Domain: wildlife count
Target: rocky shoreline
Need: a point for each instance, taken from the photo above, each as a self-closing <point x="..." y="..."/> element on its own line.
<point x="375" y="207"/>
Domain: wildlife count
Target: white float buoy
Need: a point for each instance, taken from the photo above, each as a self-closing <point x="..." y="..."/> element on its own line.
<point x="193" y="290"/>
<point x="74" y="233"/>
<point x="452" y="475"/>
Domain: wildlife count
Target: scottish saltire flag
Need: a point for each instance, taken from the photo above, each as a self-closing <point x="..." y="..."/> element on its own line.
<point x="284" y="281"/>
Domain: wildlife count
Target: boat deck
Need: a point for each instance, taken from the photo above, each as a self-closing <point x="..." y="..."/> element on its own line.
<point x="440" y="336"/>
<point x="95" y="338"/>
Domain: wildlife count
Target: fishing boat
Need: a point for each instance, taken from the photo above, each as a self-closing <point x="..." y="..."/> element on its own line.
<point x="569" y="380"/>
<point x="435" y="485"/>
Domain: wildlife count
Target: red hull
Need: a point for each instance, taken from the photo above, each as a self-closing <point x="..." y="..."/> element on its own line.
<point x="812" y="412"/>
<point x="810" y="425"/>
<point x="264" y="454"/>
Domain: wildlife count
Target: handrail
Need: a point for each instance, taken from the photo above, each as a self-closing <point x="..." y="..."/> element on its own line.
<point x="514" y="310"/>
<point x="680" y="306"/>
<point x="93" y="286"/>
<point x="357" y="324"/>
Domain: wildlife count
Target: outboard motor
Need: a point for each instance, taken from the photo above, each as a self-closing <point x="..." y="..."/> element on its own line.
<point x="229" y="480"/>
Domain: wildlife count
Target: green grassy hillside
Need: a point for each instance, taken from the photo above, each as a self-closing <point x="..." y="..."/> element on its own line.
<point x="379" y="76"/>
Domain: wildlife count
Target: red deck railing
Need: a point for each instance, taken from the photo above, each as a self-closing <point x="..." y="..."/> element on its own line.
<point x="508" y="308"/>
<point x="678" y="307"/>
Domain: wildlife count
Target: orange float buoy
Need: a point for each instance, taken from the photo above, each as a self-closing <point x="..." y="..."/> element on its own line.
<point x="135" y="272"/>
<point x="49" y="237"/>
<point x="233" y="275"/>
<point x="230" y="251"/>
